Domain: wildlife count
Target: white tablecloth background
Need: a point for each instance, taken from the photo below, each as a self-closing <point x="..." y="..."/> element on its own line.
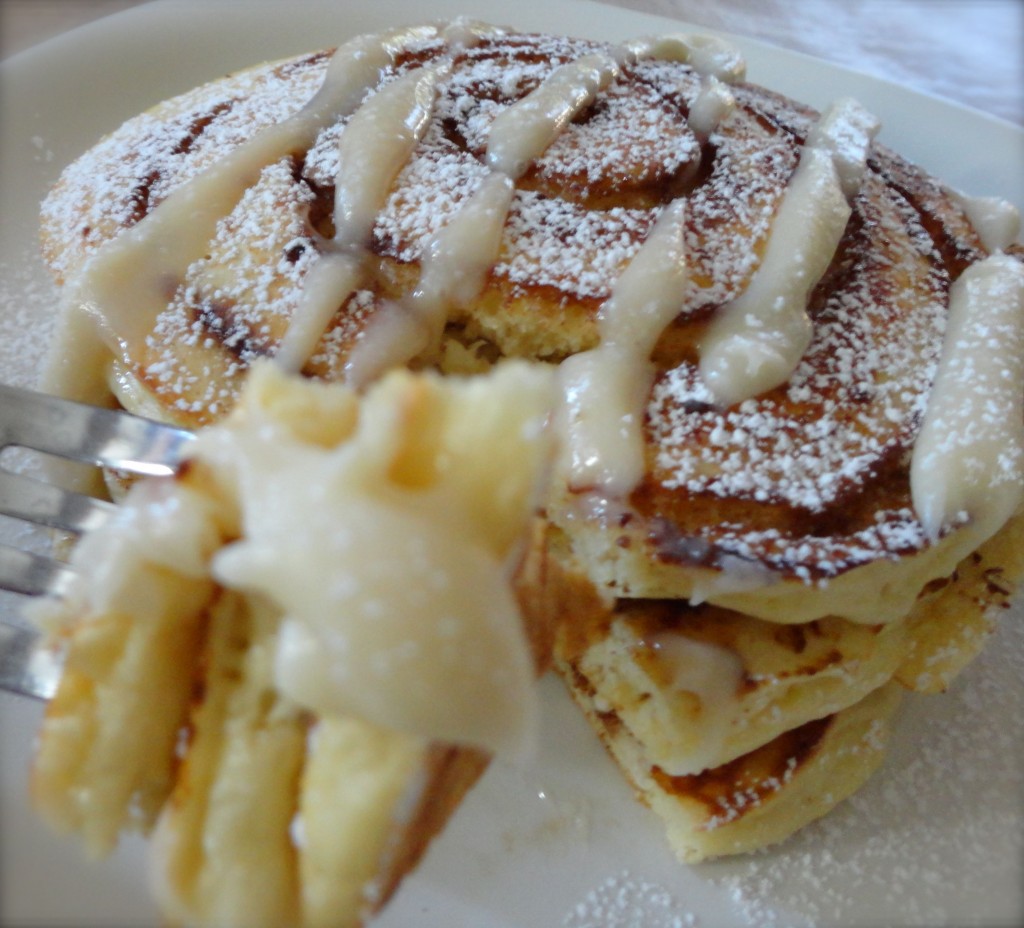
<point x="968" y="51"/>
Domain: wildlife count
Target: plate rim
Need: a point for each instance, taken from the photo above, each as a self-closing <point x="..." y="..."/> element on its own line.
<point x="102" y="37"/>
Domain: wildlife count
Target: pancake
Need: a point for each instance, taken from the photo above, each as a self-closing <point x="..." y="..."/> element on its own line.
<point x="707" y="517"/>
<point x="762" y="797"/>
<point x="790" y="362"/>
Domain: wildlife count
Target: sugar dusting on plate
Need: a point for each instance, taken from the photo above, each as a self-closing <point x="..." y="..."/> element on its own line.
<point x="26" y="326"/>
<point x="625" y="901"/>
<point x="910" y="846"/>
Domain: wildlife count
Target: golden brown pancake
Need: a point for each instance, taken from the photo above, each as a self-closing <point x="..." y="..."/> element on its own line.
<point x="818" y="486"/>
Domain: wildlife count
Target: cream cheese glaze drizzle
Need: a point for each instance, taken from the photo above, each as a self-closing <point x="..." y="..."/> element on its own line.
<point x="523" y="131"/>
<point x="755" y="342"/>
<point x="996" y="220"/>
<point x="606" y="389"/>
<point x="712" y="675"/>
<point x="968" y="462"/>
<point x="713" y="104"/>
<point x="373" y="148"/>
<point x="455" y="265"/>
<point x="708" y="55"/>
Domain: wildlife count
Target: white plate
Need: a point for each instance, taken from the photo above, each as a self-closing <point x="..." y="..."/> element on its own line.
<point x="935" y="838"/>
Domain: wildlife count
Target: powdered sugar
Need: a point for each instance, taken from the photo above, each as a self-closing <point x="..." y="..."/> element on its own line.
<point x="266" y="242"/>
<point x="437" y="180"/>
<point x="131" y="170"/>
<point x="563" y="245"/>
<point x="624" y="901"/>
<point x="629" y="139"/>
<point x="25" y="325"/>
<point x="855" y="400"/>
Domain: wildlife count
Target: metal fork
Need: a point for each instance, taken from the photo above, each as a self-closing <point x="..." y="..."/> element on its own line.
<point x="77" y="432"/>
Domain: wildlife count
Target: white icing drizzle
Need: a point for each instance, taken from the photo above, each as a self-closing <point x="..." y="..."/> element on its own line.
<point x="996" y="220"/>
<point x="713" y="104"/>
<point x="755" y="342"/>
<point x="715" y="57"/>
<point x="718" y="63"/>
<point x="458" y="259"/>
<point x="845" y="131"/>
<point x="708" y="55"/>
<point x="605" y="392"/>
<point x="454" y="270"/>
<point x="968" y="462"/>
<point x="376" y="143"/>
<point x="647" y="295"/>
<point x="329" y="282"/>
<point x="606" y="389"/>
<point x="670" y="47"/>
<point x="454" y="266"/>
<point x="713" y="675"/>
<point x="463" y="32"/>
<point x="521" y="133"/>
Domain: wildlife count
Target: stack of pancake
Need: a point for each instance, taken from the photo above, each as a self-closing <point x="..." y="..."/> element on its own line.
<point x="770" y="513"/>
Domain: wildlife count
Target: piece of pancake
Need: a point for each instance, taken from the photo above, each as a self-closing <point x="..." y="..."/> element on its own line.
<point x="771" y="544"/>
<point x="698" y="686"/>
<point x="173" y="714"/>
<point x="699" y="704"/>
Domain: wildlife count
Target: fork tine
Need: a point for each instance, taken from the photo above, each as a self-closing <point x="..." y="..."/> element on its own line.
<point x="80" y="433"/>
<point x="32" y="574"/>
<point x="25" y="666"/>
<point x="33" y="500"/>
<point x="86" y="433"/>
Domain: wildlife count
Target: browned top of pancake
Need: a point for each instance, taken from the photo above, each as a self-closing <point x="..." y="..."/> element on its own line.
<point x="810" y="478"/>
<point x="728" y="792"/>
